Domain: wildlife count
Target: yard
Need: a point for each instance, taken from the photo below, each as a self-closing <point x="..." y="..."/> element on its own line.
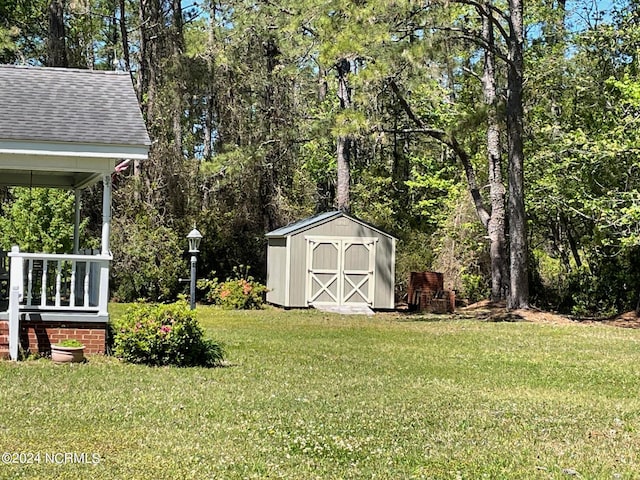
<point x="313" y="395"/>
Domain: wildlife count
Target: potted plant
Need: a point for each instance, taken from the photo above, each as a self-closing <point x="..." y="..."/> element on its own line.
<point x="68" y="351"/>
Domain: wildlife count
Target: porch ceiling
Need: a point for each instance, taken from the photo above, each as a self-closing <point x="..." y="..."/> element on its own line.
<point x="30" y="178"/>
<point x="61" y="165"/>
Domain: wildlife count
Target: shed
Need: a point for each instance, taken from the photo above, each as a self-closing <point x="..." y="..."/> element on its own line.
<point x="331" y="259"/>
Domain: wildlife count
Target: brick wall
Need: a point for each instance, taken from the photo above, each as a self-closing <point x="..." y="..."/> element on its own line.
<point x="4" y="339"/>
<point x="38" y="336"/>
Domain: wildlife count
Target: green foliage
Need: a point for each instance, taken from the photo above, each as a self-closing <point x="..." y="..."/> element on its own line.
<point x="413" y="254"/>
<point x="70" y="342"/>
<point x="474" y="287"/>
<point x="242" y="107"/>
<point x="22" y="31"/>
<point x="374" y="199"/>
<point x="161" y="335"/>
<point x="241" y="292"/>
<point x="602" y="286"/>
<point x="582" y="168"/>
<point x="148" y="260"/>
<point x="431" y="184"/>
<point x="7" y="40"/>
<point x="461" y="249"/>
<point x="38" y="220"/>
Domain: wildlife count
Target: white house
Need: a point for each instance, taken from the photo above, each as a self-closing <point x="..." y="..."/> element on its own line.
<point x="62" y="128"/>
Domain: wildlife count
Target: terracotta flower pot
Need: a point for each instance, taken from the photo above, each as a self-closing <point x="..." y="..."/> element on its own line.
<point x="60" y="354"/>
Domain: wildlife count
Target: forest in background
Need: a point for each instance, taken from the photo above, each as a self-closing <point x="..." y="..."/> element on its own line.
<point x="497" y="141"/>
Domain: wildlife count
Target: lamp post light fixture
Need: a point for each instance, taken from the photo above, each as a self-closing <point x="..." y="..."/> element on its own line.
<point x="194" y="238"/>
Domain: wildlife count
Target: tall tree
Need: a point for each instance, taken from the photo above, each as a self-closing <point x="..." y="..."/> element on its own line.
<point x="343" y="68"/>
<point x="57" y="39"/>
<point x="496" y="223"/>
<point x="518" y="250"/>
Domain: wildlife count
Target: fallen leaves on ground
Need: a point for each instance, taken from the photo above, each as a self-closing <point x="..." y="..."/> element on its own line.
<point x="498" y="312"/>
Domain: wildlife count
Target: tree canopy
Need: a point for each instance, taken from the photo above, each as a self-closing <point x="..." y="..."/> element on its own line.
<point x="496" y="140"/>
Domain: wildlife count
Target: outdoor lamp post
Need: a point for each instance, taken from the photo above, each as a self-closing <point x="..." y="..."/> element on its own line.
<point x="194" y="238"/>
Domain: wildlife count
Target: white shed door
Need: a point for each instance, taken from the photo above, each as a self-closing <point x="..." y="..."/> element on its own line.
<point x="340" y="271"/>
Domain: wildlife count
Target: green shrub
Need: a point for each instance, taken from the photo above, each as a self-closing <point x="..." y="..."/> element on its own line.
<point x="474" y="287"/>
<point x="146" y="261"/>
<point x="414" y="254"/>
<point x="70" y="342"/>
<point x="164" y="335"/>
<point x="607" y="283"/>
<point x="239" y="293"/>
<point x="38" y="220"/>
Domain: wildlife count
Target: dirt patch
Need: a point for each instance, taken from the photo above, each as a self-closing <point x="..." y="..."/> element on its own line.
<point x="488" y="311"/>
<point x="498" y="312"/>
<point x="625" y="320"/>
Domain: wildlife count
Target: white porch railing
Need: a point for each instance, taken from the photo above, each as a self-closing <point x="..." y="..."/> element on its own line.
<point x="41" y="282"/>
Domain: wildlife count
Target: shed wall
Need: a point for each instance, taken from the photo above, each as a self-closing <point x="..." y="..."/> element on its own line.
<point x="385" y="273"/>
<point x="276" y="271"/>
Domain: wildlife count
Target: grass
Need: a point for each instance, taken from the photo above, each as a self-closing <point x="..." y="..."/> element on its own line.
<point x="313" y="395"/>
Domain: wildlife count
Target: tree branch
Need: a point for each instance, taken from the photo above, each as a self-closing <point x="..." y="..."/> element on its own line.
<point x="474" y="38"/>
<point x="483" y="5"/>
<point x="451" y="142"/>
<point x="472" y="73"/>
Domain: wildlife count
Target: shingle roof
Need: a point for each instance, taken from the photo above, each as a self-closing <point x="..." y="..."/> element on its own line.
<point x="318" y="219"/>
<point x="304" y="224"/>
<point x="69" y="105"/>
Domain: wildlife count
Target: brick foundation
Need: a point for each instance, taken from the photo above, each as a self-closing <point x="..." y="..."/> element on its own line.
<point x="4" y="339"/>
<point x="38" y="336"/>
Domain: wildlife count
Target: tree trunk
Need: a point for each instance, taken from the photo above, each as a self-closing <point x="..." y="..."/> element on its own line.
<point x="342" y="142"/>
<point x="124" y="38"/>
<point x="151" y="24"/>
<point x="401" y="167"/>
<point x="177" y="41"/>
<point x="327" y="187"/>
<point x="323" y="85"/>
<point x="344" y="175"/>
<point x="270" y="167"/>
<point x="519" y="281"/>
<point x="57" y="44"/>
<point x="496" y="223"/>
<point x="210" y="97"/>
<point x="112" y="52"/>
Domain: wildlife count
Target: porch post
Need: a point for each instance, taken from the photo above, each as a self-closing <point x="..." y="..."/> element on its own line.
<point x="103" y="295"/>
<point x="106" y="213"/>
<point x="15" y="296"/>
<point x="76" y="223"/>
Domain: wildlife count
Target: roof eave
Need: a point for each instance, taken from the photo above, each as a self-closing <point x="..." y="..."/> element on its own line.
<point x="306" y="225"/>
<point x="62" y="149"/>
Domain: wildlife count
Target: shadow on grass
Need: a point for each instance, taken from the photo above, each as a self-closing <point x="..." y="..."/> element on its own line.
<point x="481" y="316"/>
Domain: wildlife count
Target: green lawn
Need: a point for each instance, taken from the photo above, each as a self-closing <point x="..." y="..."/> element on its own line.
<point x="312" y="395"/>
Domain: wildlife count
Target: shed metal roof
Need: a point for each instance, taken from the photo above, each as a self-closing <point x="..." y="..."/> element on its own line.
<point x="306" y="223"/>
<point x="70" y="106"/>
